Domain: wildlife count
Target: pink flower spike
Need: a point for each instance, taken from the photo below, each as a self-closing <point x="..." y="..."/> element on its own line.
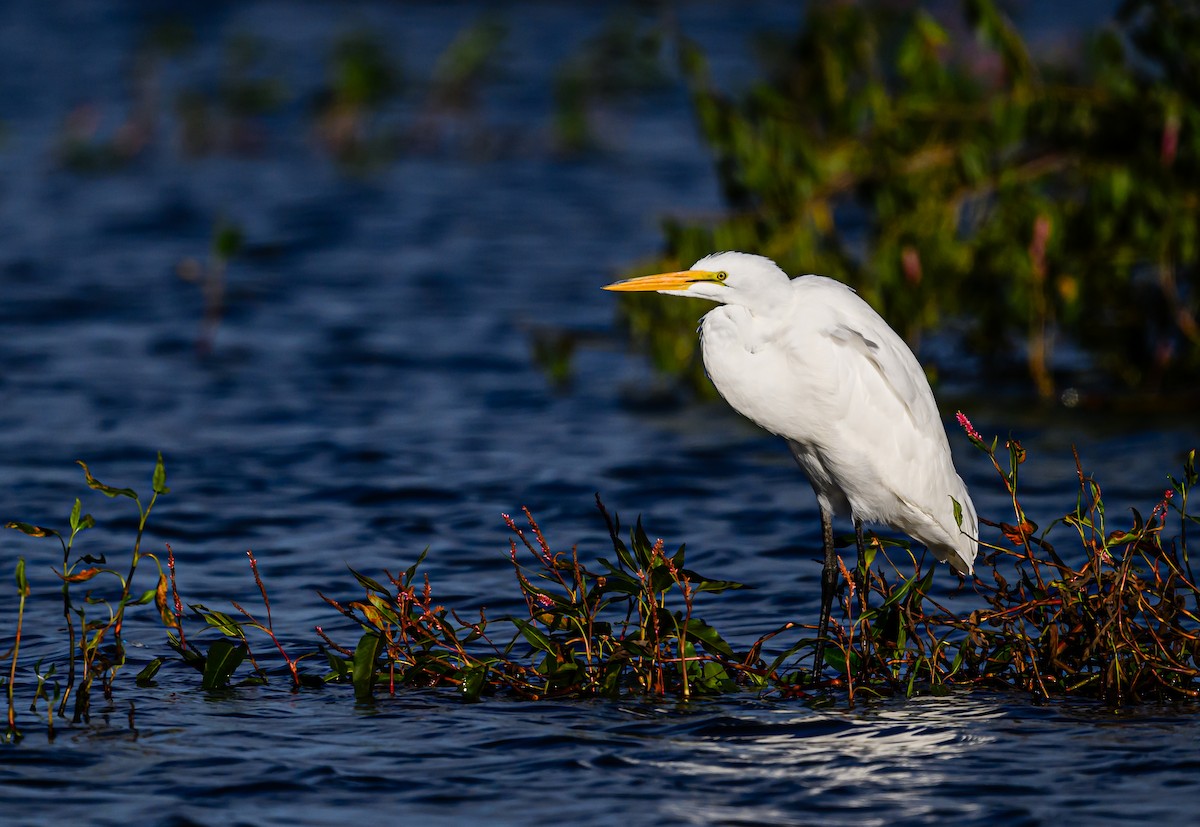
<point x="966" y="425"/>
<point x="546" y="600"/>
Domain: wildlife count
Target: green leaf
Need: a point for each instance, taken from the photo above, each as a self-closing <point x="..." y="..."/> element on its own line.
<point x="364" y="665"/>
<point x="147" y="674"/>
<point x="223" y="659"/>
<point x="618" y="581"/>
<point x="383" y="605"/>
<point x="706" y="634"/>
<point x="369" y="583"/>
<point x="474" y="680"/>
<point x="146" y="597"/>
<point x="159" y="481"/>
<point x="219" y="620"/>
<point x="713" y="677"/>
<point x="227" y="241"/>
<point x="107" y="490"/>
<point x="22" y="583"/>
<point x="32" y="530"/>
<point x="411" y="571"/>
<point x="958" y="512"/>
<point x="536" y="638"/>
<point x="958" y="660"/>
<point x="624" y="558"/>
<point x="703" y="584"/>
<point x="869" y="552"/>
<point x="641" y="545"/>
<point x="661" y="579"/>
<point x="835" y="658"/>
<point x="339" y="666"/>
<point x="188" y="656"/>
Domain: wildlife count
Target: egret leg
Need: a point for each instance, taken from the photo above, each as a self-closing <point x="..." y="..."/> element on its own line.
<point x="828" y="587"/>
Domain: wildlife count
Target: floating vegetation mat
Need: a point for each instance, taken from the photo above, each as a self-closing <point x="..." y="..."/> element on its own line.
<point x="1115" y="617"/>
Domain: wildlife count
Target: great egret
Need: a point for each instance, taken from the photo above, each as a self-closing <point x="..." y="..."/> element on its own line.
<point x="810" y="361"/>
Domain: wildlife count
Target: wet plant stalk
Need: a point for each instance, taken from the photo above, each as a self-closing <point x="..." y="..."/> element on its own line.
<point x="11" y="733"/>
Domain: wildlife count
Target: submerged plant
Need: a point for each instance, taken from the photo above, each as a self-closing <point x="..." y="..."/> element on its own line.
<point x="1121" y="624"/>
<point x="1116" y="620"/>
<point x="228" y="241"/>
<point x="633" y="625"/>
<point x="624" y="57"/>
<point x="363" y="78"/>
<point x="472" y="57"/>
<point x="100" y="647"/>
<point x="11" y="732"/>
<point x="629" y="627"/>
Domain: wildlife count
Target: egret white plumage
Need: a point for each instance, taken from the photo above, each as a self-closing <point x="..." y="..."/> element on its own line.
<point x="809" y="360"/>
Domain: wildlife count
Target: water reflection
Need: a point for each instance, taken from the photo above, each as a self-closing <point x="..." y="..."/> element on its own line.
<point x="870" y="765"/>
<point x="976" y="757"/>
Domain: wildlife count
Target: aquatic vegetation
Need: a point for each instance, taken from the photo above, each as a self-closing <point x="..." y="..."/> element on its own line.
<point x="966" y="184"/>
<point x="364" y="76"/>
<point x="1118" y="619"/>
<point x="624" y="58"/>
<point x="242" y="103"/>
<point x="228" y="239"/>
<point x="628" y="626"/>
<point x="467" y="63"/>
<point x="97" y="652"/>
<point x="229" y="117"/>
<point x="355" y="114"/>
<point x="11" y="732"/>
<point x="89" y="143"/>
<point x="223" y="656"/>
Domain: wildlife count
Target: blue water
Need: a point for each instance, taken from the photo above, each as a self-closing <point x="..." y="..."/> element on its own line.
<point x="370" y="392"/>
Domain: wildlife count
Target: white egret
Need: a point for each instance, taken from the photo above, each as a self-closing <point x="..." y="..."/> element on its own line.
<point x="809" y="360"/>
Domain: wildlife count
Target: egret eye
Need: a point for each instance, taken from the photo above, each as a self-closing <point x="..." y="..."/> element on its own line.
<point x="721" y="276"/>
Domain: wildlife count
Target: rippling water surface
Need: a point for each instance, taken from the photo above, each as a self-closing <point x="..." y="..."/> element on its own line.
<point x="371" y="392"/>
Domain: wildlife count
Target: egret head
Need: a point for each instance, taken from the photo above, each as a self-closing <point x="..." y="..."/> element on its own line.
<point x="728" y="278"/>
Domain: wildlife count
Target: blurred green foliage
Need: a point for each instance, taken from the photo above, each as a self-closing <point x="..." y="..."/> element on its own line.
<point x="623" y="58"/>
<point x="224" y="117"/>
<point x="470" y="59"/>
<point x="959" y="180"/>
<point x="363" y="78"/>
<point x="363" y="74"/>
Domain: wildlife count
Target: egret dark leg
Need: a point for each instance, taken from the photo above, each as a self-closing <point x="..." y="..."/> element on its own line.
<point x="828" y="587"/>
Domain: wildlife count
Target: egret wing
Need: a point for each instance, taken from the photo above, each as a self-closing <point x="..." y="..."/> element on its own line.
<point x="896" y="366"/>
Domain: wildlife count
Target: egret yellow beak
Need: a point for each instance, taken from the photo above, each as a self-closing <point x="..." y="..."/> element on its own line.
<point x="665" y="281"/>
